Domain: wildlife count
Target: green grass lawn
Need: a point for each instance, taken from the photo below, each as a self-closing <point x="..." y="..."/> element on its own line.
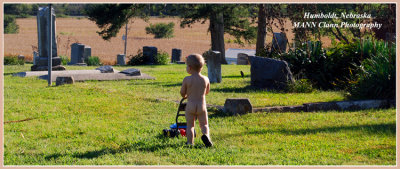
<point x="120" y="123"/>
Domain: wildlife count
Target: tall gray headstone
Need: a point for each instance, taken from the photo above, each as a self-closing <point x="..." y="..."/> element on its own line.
<point x="176" y="55"/>
<point x="279" y="43"/>
<point x="77" y="54"/>
<point x="87" y="52"/>
<point x="149" y="53"/>
<point x="121" y="59"/>
<point x="214" y="66"/>
<point x="43" y="41"/>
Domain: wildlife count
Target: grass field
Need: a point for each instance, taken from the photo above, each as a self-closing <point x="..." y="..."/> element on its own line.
<point x="120" y="123"/>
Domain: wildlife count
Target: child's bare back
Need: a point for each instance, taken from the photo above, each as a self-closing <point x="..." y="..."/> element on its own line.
<point x="197" y="86"/>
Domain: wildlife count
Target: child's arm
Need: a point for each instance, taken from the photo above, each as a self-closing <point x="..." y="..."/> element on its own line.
<point x="208" y="86"/>
<point x="183" y="89"/>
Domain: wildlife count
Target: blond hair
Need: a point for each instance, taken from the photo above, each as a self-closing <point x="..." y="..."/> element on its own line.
<point x="195" y="61"/>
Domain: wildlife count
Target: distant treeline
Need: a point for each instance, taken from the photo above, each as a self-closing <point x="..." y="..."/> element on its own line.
<point x="26" y="10"/>
<point x="63" y="10"/>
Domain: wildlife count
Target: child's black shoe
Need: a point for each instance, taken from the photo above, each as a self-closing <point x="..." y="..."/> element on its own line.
<point x="206" y="141"/>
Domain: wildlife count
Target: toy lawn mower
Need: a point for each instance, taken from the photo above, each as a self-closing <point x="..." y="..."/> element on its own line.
<point x="179" y="128"/>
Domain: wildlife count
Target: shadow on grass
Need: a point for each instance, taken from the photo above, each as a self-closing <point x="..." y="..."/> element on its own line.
<point x="53" y="156"/>
<point x="246" y="89"/>
<point x="162" y="84"/>
<point x="160" y="143"/>
<point x="235" y="77"/>
<point x="6" y="74"/>
<point x="389" y="129"/>
<point x="217" y="113"/>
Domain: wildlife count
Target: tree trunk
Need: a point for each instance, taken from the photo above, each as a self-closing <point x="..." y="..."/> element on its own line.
<point x="217" y="34"/>
<point x="262" y="29"/>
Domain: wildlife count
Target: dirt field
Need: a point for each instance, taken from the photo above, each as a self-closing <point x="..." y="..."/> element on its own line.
<point x="70" y="30"/>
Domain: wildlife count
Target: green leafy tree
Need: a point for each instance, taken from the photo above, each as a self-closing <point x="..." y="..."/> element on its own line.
<point x="111" y="17"/>
<point x="10" y="26"/>
<point x="224" y="18"/>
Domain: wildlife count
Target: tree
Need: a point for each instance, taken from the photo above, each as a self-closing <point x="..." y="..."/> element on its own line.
<point x="224" y="18"/>
<point x="262" y="29"/>
<point x="10" y="26"/>
<point x="111" y="17"/>
<point x="269" y="16"/>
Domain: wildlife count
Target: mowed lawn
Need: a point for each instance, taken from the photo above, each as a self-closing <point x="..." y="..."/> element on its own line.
<point x="120" y="123"/>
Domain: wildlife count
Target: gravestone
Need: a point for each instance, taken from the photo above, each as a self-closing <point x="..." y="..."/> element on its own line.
<point x="35" y="57"/>
<point x="269" y="73"/>
<point x="238" y="106"/>
<point x="231" y="54"/>
<point x="21" y="57"/>
<point x="131" y="72"/>
<point x="64" y="80"/>
<point x="149" y="53"/>
<point x="279" y="43"/>
<point x="214" y="66"/>
<point x="87" y="52"/>
<point x="44" y="40"/>
<point x="121" y="59"/>
<point x="176" y="55"/>
<point x="106" y="69"/>
<point x="77" y="57"/>
<point x="242" y="59"/>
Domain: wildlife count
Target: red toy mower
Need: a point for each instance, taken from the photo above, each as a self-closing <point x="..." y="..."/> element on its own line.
<point x="177" y="128"/>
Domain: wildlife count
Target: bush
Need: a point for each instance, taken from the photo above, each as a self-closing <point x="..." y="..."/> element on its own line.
<point x="300" y="86"/>
<point x="64" y="60"/>
<point x="13" y="60"/>
<point x="332" y="68"/>
<point x="376" y="76"/>
<point x="161" y="30"/>
<point x="137" y="59"/>
<point x="10" y="26"/>
<point x="162" y="58"/>
<point x="310" y="61"/>
<point x="93" y="61"/>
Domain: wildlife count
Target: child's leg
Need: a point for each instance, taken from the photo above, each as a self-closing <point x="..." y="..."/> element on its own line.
<point x="203" y="121"/>
<point x="190" y="117"/>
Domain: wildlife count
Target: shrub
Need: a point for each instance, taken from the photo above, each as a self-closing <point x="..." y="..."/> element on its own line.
<point x="310" y="61"/>
<point x="162" y="58"/>
<point x="10" y="26"/>
<point x="13" y="60"/>
<point x="300" y="86"/>
<point x="137" y="59"/>
<point x="376" y="76"/>
<point x="64" y="60"/>
<point x="332" y="68"/>
<point x="161" y="30"/>
<point x="93" y="61"/>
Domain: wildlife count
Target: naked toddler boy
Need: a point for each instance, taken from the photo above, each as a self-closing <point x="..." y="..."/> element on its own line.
<point x="195" y="88"/>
